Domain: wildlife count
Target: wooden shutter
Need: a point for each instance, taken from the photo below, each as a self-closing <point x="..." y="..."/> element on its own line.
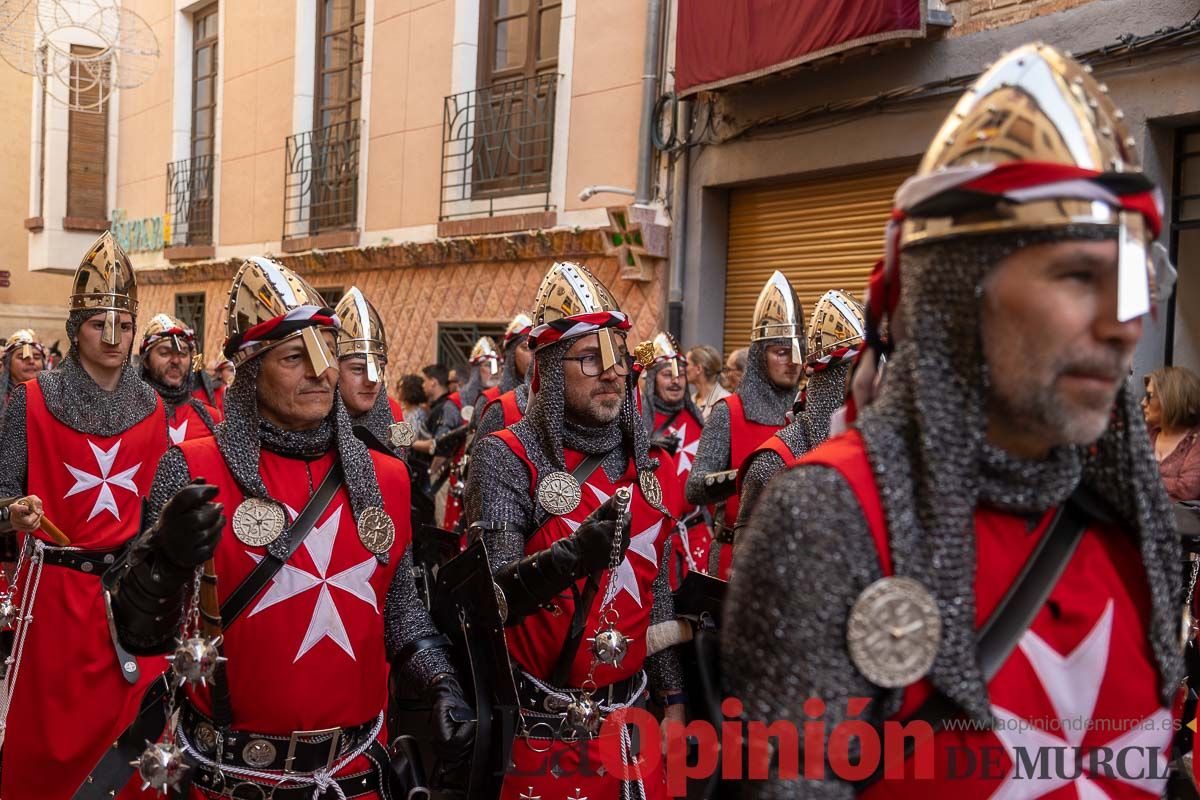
<point x="87" y="148"/>
<point x="822" y="234"/>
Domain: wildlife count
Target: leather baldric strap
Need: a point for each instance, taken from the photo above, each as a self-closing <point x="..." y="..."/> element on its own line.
<point x="1017" y="610"/>
<point x="666" y="423"/>
<point x="266" y="569"/>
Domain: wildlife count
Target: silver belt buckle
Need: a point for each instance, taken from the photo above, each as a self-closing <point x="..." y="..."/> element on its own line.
<point x="335" y="737"/>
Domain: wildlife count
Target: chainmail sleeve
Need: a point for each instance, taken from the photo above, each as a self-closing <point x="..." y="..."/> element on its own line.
<point x="490" y="421"/>
<point x="712" y="455"/>
<point x="405" y="620"/>
<point x="171" y="476"/>
<point x="14" y="460"/>
<point x="783" y="645"/>
<point x="498" y="491"/>
<point x="663" y="670"/>
<point x="760" y="468"/>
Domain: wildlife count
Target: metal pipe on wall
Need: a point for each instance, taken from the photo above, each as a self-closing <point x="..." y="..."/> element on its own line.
<point x="679" y="191"/>
<point x="650" y="61"/>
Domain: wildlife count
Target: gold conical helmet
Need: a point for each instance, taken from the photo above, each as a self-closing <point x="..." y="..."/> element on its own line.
<point x="164" y="326"/>
<point x="666" y="350"/>
<point x="836" y="328"/>
<point x="521" y="325"/>
<point x="484" y="352"/>
<point x="270" y="304"/>
<point x="568" y="293"/>
<point x="24" y="342"/>
<point x="104" y="281"/>
<point x="1036" y="143"/>
<point x="362" y="332"/>
<point x="778" y="315"/>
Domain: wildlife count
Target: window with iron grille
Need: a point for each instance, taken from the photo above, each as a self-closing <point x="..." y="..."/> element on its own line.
<point x="321" y="181"/>
<point x="455" y="340"/>
<point x="189" y="309"/>
<point x="497" y="140"/>
<point x="190" y="181"/>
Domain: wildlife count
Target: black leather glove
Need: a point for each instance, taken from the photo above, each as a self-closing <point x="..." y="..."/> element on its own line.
<point x="148" y="584"/>
<point x="533" y="580"/>
<point x="452" y="719"/>
<point x="669" y="442"/>
<point x="189" y="526"/>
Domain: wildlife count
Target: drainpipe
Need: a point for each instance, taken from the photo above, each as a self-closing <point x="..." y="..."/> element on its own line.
<point x="679" y="227"/>
<point x="650" y="58"/>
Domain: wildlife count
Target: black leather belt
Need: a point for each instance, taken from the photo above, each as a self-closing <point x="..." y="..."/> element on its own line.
<point x="302" y="752"/>
<point x="89" y="562"/>
<point x="370" y="782"/>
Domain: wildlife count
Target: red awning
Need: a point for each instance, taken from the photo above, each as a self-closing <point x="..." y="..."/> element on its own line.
<point x="720" y="42"/>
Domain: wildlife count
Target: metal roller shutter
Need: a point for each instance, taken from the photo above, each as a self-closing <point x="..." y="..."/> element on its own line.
<point x="822" y="234"/>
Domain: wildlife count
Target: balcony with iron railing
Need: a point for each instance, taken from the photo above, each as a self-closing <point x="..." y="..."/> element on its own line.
<point x="190" y="199"/>
<point x="320" y="196"/>
<point x="498" y="147"/>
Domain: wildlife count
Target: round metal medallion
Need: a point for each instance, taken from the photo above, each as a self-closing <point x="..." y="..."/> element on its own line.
<point x="893" y="632"/>
<point x="467" y="412"/>
<point x="258" y="753"/>
<point x="205" y="738"/>
<point x="651" y="488"/>
<point x="559" y="493"/>
<point x="401" y="434"/>
<point x="376" y="530"/>
<point x="258" y="522"/>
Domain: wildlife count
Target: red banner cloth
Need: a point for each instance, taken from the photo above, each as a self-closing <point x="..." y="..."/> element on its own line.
<point x="720" y="42"/>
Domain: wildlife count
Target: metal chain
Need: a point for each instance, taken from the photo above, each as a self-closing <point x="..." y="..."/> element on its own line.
<point x="1192" y="580"/>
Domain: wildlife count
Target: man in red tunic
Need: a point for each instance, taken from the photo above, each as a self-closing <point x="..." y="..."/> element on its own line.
<point x="741" y="422"/>
<point x="80" y="446"/>
<point x="297" y="711"/>
<point x="482" y="385"/>
<point x="167" y="352"/>
<point x="674" y="424"/>
<point x="1023" y="248"/>
<point x="539" y="496"/>
<point x="835" y="338"/>
<point x="24" y="357"/>
<point x="507" y="405"/>
<point x="362" y="352"/>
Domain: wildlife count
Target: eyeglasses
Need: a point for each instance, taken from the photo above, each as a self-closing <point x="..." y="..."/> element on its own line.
<point x="590" y="364"/>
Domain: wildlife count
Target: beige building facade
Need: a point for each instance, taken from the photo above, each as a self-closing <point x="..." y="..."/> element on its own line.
<point x="431" y="153"/>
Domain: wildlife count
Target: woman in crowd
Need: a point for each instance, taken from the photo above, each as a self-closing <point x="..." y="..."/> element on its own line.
<point x="703" y="369"/>
<point x="1172" y="409"/>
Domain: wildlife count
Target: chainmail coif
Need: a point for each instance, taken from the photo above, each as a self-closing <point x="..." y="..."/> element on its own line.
<point x="174" y="397"/>
<point x="472" y="389"/>
<point x="826" y="392"/>
<point x="509" y="379"/>
<point x="762" y="401"/>
<point x="79" y="403"/>
<point x="652" y="403"/>
<point x="545" y="418"/>
<point x="378" y="418"/>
